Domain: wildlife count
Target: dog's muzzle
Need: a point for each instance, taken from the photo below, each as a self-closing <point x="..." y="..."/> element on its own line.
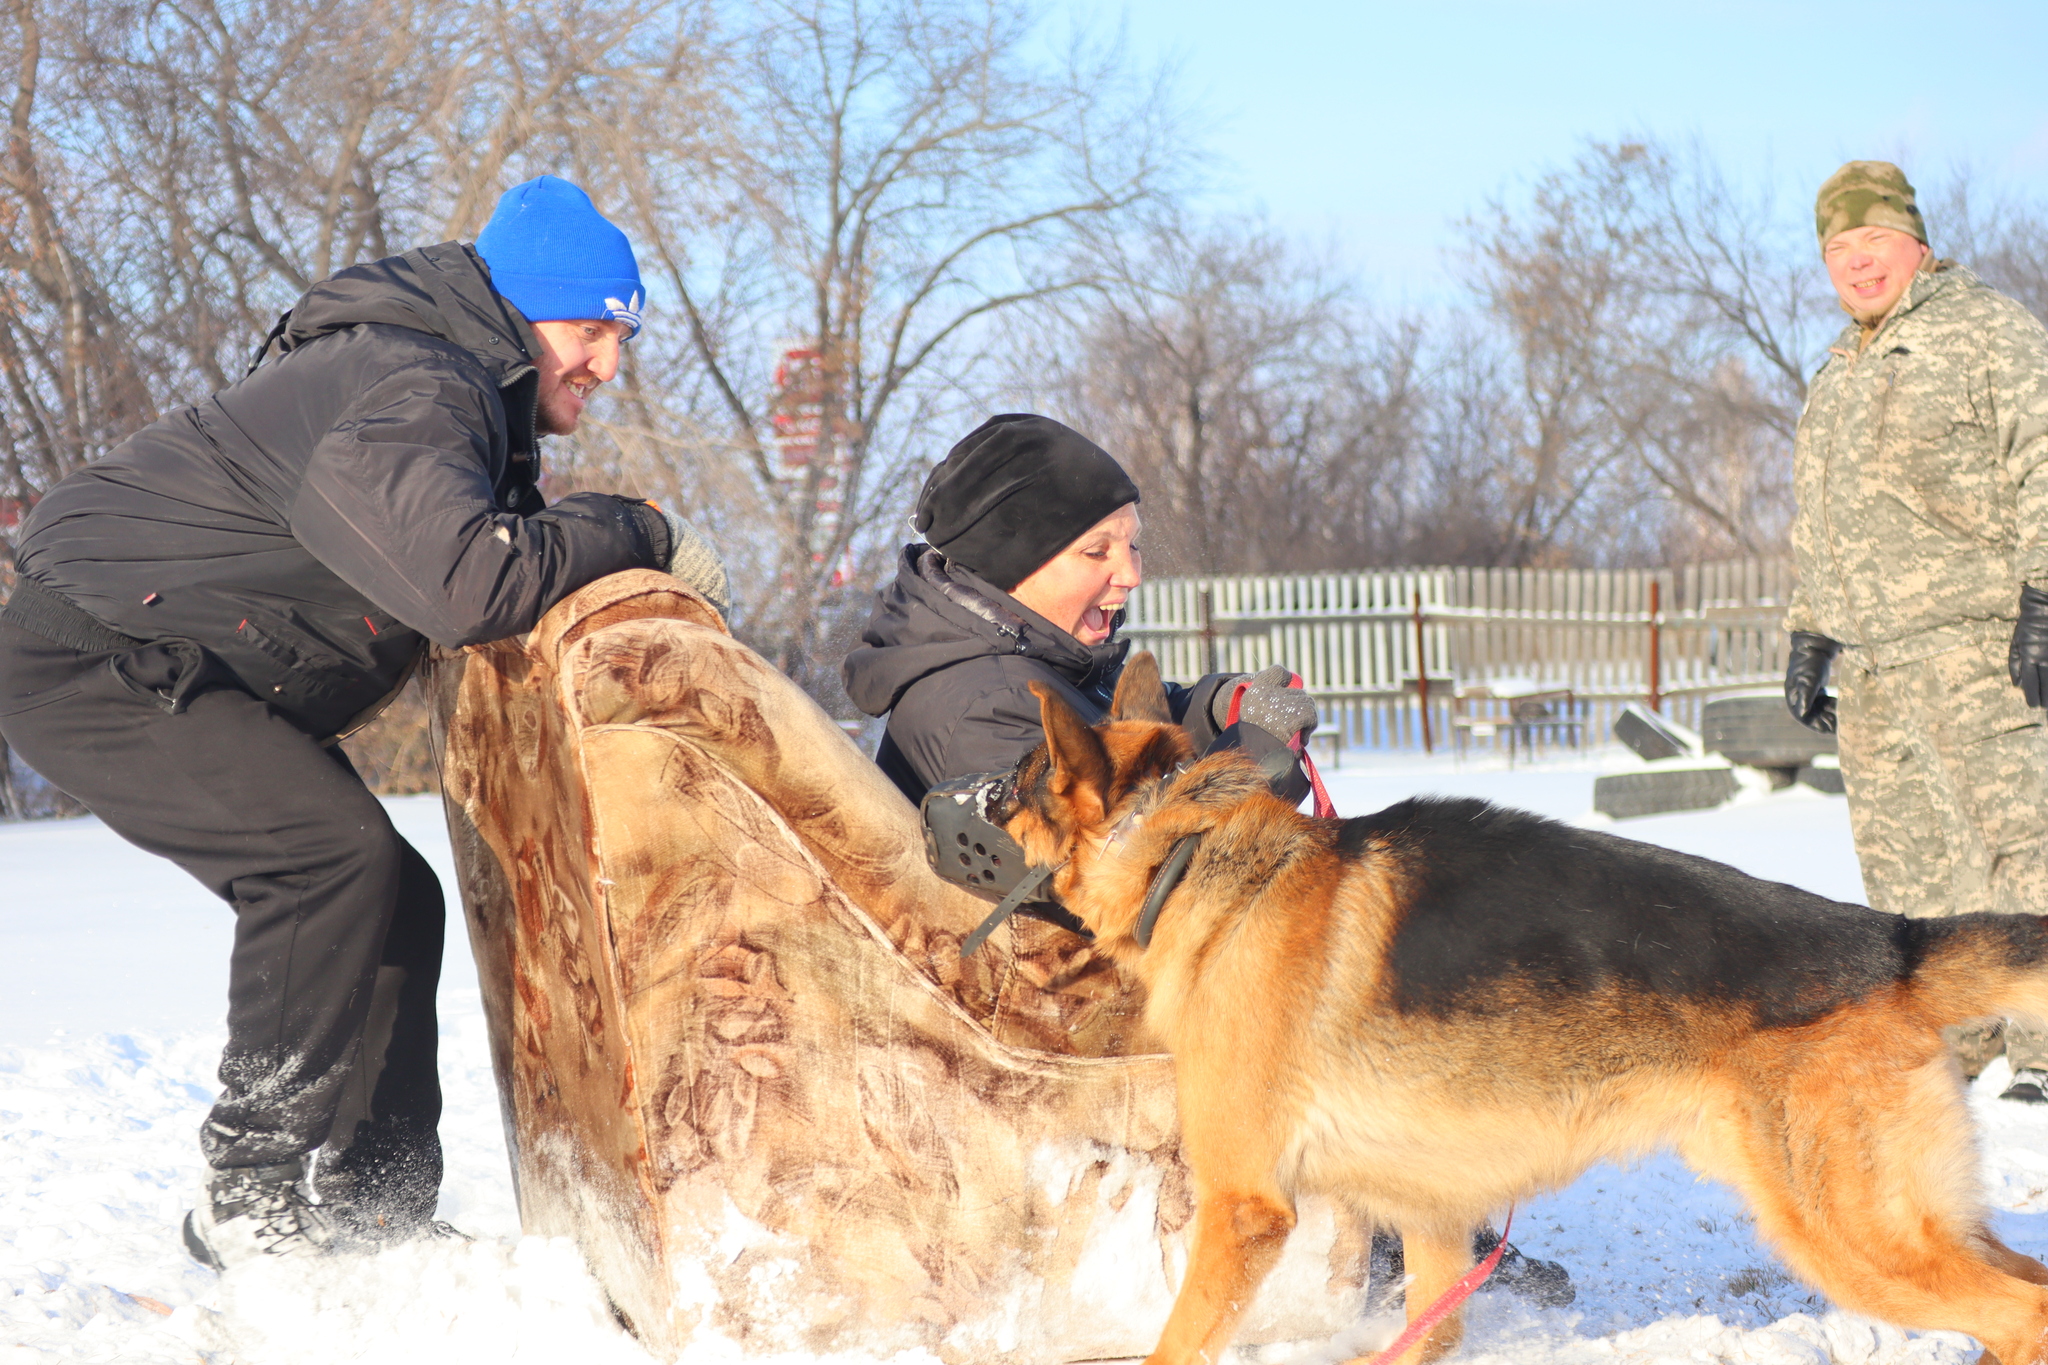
<point x="966" y="847"/>
<point x="963" y="844"/>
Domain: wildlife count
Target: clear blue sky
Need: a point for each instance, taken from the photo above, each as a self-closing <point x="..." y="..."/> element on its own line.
<point x="1373" y="127"/>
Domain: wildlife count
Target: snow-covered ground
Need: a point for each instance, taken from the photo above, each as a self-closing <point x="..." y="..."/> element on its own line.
<point x="112" y="974"/>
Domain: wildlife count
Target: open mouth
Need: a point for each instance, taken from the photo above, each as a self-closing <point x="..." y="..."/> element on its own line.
<point x="570" y="397"/>
<point x="1095" y="620"/>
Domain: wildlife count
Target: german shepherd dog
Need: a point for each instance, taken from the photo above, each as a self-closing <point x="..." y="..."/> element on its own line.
<point x="1435" y="1011"/>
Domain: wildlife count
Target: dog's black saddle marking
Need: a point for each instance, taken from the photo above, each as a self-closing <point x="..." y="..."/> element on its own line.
<point x="1501" y="897"/>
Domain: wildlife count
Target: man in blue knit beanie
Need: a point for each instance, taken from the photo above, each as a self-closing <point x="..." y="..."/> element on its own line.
<point x="573" y="276"/>
<point x="204" y="613"/>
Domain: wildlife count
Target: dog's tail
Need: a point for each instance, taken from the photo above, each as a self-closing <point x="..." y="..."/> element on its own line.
<point x="1970" y="966"/>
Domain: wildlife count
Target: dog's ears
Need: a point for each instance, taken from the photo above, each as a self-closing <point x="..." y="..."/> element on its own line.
<point x="1139" y="693"/>
<point x="1081" y="770"/>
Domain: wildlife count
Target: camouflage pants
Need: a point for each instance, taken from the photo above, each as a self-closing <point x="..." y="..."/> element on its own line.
<point x="1947" y="774"/>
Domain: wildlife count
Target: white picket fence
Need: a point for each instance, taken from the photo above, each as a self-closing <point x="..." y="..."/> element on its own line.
<point x="1670" y="638"/>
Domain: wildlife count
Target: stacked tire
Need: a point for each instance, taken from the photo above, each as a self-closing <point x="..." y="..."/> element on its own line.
<point x="1627" y="795"/>
<point x="1758" y="731"/>
<point x="1750" y="729"/>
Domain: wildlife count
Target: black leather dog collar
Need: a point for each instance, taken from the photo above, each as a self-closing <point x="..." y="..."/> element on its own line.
<point x="1163" y="883"/>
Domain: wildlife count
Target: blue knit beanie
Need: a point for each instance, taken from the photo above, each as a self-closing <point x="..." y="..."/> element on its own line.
<point x="556" y="257"/>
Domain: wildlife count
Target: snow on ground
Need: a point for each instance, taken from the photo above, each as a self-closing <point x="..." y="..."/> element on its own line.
<point x="112" y="974"/>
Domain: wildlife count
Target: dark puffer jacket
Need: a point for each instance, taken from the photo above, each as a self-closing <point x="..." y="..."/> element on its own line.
<point x="369" y="488"/>
<point x="950" y="659"/>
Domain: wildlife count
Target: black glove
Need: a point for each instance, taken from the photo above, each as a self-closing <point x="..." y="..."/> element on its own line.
<point x="2026" y="663"/>
<point x="1806" y="676"/>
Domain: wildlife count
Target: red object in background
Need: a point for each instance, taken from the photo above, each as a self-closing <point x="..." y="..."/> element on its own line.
<point x="804" y="380"/>
<point x="842" y="572"/>
<point x="797" y="411"/>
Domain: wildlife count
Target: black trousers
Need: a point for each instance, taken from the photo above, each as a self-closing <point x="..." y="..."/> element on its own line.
<point x="338" y="921"/>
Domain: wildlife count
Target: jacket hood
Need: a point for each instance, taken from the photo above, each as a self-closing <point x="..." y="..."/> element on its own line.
<point x="443" y="290"/>
<point x="935" y="615"/>
<point x="1942" y="277"/>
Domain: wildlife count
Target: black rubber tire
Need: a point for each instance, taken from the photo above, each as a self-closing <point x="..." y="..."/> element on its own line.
<point x="1627" y="795"/>
<point x="1827" y="780"/>
<point x="1645" y="737"/>
<point x="1759" y="731"/>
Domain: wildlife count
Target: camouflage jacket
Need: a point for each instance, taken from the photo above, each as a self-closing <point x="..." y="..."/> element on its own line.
<point x="1919" y="470"/>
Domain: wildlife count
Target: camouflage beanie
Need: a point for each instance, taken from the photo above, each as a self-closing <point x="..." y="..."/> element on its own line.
<point x="1867" y="194"/>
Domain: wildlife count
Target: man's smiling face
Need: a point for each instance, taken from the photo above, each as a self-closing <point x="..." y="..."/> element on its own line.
<point x="575" y="358"/>
<point x="1870" y="268"/>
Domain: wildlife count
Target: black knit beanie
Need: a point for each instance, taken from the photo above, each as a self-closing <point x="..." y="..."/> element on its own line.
<point x="1015" y="492"/>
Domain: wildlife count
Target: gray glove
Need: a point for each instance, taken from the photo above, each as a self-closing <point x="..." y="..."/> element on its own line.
<point x="1269" y="703"/>
<point x="691" y="558"/>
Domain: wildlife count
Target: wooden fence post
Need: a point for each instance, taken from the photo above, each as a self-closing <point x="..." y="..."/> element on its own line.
<point x="10" y="800"/>
<point x="1208" y="632"/>
<point x="1422" y="676"/>
<point x="1656" y="641"/>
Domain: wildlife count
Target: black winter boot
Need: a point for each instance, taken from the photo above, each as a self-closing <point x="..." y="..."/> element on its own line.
<point x="252" y="1211"/>
<point x="2028" y="1087"/>
<point x="381" y="1191"/>
<point x="1545" y="1283"/>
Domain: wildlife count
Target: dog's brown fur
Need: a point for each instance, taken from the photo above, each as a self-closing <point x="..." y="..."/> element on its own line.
<point x="1383" y="1010"/>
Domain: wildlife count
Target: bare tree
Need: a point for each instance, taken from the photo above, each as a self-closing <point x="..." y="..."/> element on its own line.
<point x="892" y="179"/>
<point x="1553" y="280"/>
<point x="175" y="176"/>
<point x="863" y="225"/>
<point x="248" y="148"/>
<point x="1265" y="415"/>
<point x="1661" y="327"/>
<point x="2002" y="236"/>
<point x="1623" y="386"/>
<point x="72" y="381"/>
<point x="852" y="192"/>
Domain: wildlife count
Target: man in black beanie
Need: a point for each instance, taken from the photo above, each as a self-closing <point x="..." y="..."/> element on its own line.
<point x="1030" y="553"/>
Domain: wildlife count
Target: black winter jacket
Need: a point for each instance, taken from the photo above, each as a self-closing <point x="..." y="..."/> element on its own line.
<point x="370" y="487"/>
<point x="949" y="658"/>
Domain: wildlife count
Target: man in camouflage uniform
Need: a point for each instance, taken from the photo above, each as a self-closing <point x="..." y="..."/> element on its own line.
<point x="1922" y="542"/>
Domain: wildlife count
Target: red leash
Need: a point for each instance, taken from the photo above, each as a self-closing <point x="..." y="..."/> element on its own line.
<point x="1448" y="1301"/>
<point x="1325" y="808"/>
